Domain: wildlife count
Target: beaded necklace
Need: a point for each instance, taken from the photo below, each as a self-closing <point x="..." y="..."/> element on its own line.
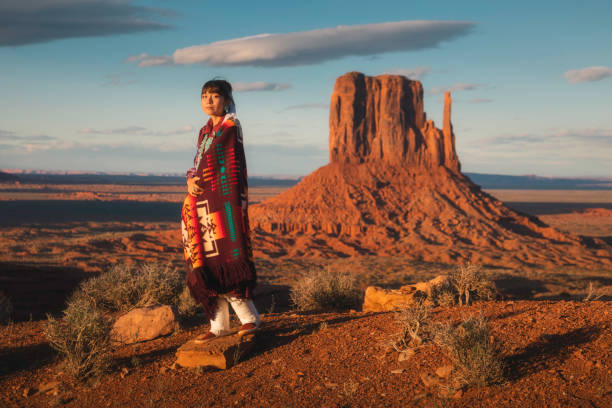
<point x="206" y="142"/>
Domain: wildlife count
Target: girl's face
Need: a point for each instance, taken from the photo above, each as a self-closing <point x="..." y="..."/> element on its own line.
<point x="213" y="104"/>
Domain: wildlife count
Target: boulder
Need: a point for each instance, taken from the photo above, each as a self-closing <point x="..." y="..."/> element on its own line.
<point x="144" y="323"/>
<point x="383" y="300"/>
<point x="221" y="352"/>
<point x="405" y="354"/>
<point x="429" y="380"/>
<point x="444" y="371"/>
<point x="426" y="287"/>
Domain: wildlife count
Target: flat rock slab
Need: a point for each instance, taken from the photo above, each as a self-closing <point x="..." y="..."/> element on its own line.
<point x="221" y="352"/>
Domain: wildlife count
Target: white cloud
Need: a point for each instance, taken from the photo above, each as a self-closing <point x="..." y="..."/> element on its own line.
<point x="411" y="73"/>
<point x="268" y="158"/>
<point x="588" y="74"/>
<point x="307" y="106"/>
<point x="561" y="152"/>
<point x="136" y="58"/>
<point x="259" y="86"/>
<point x="8" y="135"/>
<point x="565" y="138"/>
<point x="36" y="21"/>
<point x="155" y="61"/>
<point x="137" y="131"/>
<point x="455" y="88"/>
<point x="481" y="100"/>
<point x="315" y="46"/>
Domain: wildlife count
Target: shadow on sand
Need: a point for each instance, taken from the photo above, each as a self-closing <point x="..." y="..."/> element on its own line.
<point x="536" y="356"/>
<point x="31" y="357"/>
<point x="35" y="290"/>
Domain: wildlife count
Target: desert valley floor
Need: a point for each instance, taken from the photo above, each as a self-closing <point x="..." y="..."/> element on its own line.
<point x="557" y="349"/>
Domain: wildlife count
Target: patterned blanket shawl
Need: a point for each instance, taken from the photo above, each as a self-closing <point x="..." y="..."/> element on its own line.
<point x="215" y="224"/>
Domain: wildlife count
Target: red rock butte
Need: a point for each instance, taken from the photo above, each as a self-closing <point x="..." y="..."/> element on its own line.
<point x="394" y="187"/>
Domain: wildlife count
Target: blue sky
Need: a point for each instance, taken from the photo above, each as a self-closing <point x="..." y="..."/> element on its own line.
<point x="112" y="85"/>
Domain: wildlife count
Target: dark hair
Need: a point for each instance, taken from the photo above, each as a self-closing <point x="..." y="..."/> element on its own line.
<point x="220" y="86"/>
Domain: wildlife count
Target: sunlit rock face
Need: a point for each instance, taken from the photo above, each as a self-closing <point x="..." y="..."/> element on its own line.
<point x="382" y="119"/>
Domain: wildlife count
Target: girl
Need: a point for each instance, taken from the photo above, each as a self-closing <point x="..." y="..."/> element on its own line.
<point x="215" y="224"/>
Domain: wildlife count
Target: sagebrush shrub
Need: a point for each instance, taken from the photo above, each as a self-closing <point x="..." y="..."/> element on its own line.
<point x="593" y="292"/>
<point x="323" y="289"/>
<point x="415" y="323"/>
<point x="444" y="294"/>
<point x="82" y="337"/>
<point x="187" y="306"/>
<point x="126" y="287"/>
<point x="471" y="349"/>
<point x="470" y="281"/>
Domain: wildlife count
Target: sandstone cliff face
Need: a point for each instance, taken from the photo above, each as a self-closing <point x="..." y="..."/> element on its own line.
<point x="394" y="187"/>
<point x="381" y="119"/>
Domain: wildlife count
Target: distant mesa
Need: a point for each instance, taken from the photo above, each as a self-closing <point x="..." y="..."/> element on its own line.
<point x="394" y="187"/>
<point x="7" y="177"/>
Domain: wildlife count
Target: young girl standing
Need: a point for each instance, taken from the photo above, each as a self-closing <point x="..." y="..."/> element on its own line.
<point x="215" y="224"/>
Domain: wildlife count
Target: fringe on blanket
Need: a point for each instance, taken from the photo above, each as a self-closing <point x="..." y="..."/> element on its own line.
<point x="206" y="283"/>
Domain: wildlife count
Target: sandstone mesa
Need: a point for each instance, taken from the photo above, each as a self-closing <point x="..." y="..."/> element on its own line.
<point x="394" y="186"/>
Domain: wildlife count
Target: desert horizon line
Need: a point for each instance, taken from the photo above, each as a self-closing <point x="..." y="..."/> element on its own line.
<point x="278" y="176"/>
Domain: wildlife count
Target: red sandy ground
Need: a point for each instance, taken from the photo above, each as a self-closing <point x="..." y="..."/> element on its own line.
<point x="556" y="354"/>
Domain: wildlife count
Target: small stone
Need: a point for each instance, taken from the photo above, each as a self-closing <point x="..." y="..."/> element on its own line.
<point x="419" y="396"/>
<point x="444" y="371"/>
<point x="27" y="391"/>
<point x="49" y="387"/>
<point x="397" y="371"/>
<point x="124" y="372"/>
<point x="405" y="355"/>
<point x="429" y="380"/>
<point x="299" y="374"/>
<point x="162" y="370"/>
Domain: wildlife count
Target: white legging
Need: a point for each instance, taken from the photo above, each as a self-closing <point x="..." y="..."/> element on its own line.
<point x="244" y="308"/>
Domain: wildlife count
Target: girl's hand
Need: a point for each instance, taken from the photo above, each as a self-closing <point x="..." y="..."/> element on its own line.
<point x="193" y="188"/>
